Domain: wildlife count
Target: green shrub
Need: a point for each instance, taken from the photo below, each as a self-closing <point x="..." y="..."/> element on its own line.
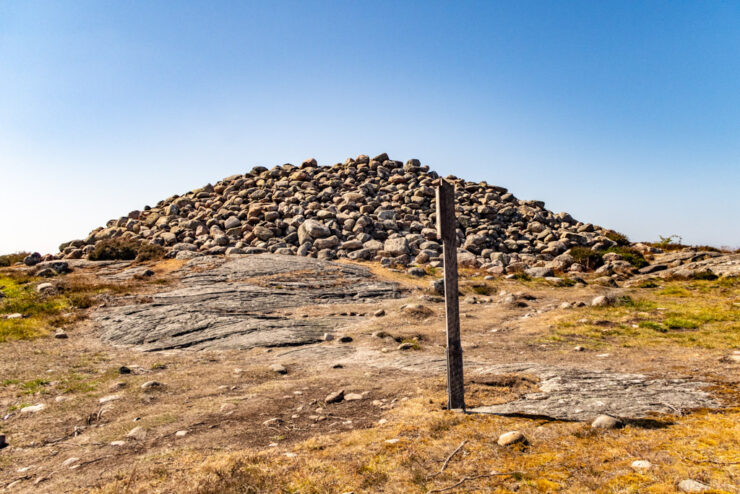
<point x="632" y="256"/>
<point x="668" y="243"/>
<point x="704" y="275"/>
<point x="617" y="237"/>
<point x="681" y="323"/>
<point x="588" y="258"/>
<point x="649" y="283"/>
<point x="655" y="326"/>
<point x="10" y="259"/>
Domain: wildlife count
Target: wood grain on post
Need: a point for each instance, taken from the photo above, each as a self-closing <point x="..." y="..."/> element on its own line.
<point x="447" y="231"/>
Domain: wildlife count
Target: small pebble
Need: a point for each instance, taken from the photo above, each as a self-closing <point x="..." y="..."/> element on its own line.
<point x="689" y="485"/>
<point x="335" y="397"/>
<point x="138" y="433"/>
<point x="278" y="369"/>
<point x="33" y="408"/>
<point x="606" y="422"/>
<point x="150" y="385"/>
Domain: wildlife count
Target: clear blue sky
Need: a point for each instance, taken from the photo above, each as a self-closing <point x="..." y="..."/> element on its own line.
<point x="625" y="114"/>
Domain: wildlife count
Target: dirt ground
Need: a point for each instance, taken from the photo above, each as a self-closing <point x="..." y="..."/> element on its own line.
<point x="229" y="412"/>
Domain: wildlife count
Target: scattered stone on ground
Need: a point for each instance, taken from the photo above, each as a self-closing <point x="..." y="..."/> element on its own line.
<point x="511" y="437"/>
<point x="641" y="465"/>
<point x="278" y="369"/>
<point x="606" y="422"/>
<point x="33" y="408"/>
<point x="689" y="485"/>
<point x="335" y="397"/>
<point x="60" y="334"/>
<point x="137" y="433"/>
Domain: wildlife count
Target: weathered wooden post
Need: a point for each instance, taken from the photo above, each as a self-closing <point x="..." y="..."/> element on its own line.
<point x="447" y="231"/>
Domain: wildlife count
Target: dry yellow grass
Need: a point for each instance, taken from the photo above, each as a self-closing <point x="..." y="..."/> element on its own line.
<point x="560" y="457"/>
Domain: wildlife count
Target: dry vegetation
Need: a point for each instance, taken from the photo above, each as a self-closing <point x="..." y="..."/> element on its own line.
<point x="560" y="457"/>
<point x="704" y="314"/>
<point x="252" y="430"/>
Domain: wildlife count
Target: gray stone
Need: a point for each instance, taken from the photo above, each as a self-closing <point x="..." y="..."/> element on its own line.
<point x="511" y="437"/>
<point x="32" y="259"/>
<point x="151" y="385"/>
<point x="232" y="222"/>
<point x="311" y="230"/>
<point x="582" y="394"/>
<point x="396" y="246"/>
<point x="216" y="306"/>
<point x="641" y="465"/>
<point x="137" y="433"/>
<point x="45" y="288"/>
<point x="263" y="233"/>
<point x="278" y="369"/>
<point x="438" y="286"/>
<point x="606" y="422"/>
<point x="335" y="397"/>
<point x="689" y="485"/>
<point x="539" y="272"/>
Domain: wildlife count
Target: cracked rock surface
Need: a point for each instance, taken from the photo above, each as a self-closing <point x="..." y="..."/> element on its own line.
<point x="582" y="394"/>
<point x="239" y="302"/>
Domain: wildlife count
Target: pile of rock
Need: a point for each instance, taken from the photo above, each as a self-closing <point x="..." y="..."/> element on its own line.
<point x="365" y="208"/>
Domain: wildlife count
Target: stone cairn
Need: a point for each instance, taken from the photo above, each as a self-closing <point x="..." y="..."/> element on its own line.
<point x="362" y="209"/>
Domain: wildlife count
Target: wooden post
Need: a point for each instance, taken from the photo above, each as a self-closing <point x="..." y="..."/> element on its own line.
<point x="447" y="231"/>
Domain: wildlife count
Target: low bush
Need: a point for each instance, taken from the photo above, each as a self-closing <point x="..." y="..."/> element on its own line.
<point x="10" y="259"/>
<point x="669" y="243"/>
<point x="617" y="237"/>
<point x="704" y="275"/>
<point x="150" y="252"/>
<point x="588" y="258"/>
<point x="632" y="256"/>
<point x="117" y="249"/>
<point x="114" y="249"/>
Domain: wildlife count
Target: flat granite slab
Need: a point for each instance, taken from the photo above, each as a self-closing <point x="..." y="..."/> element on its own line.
<point x="236" y="302"/>
<point x="576" y="394"/>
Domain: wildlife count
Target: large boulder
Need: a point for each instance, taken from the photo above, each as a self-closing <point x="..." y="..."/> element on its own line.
<point x="396" y="246"/>
<point x="311" y="230"/>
